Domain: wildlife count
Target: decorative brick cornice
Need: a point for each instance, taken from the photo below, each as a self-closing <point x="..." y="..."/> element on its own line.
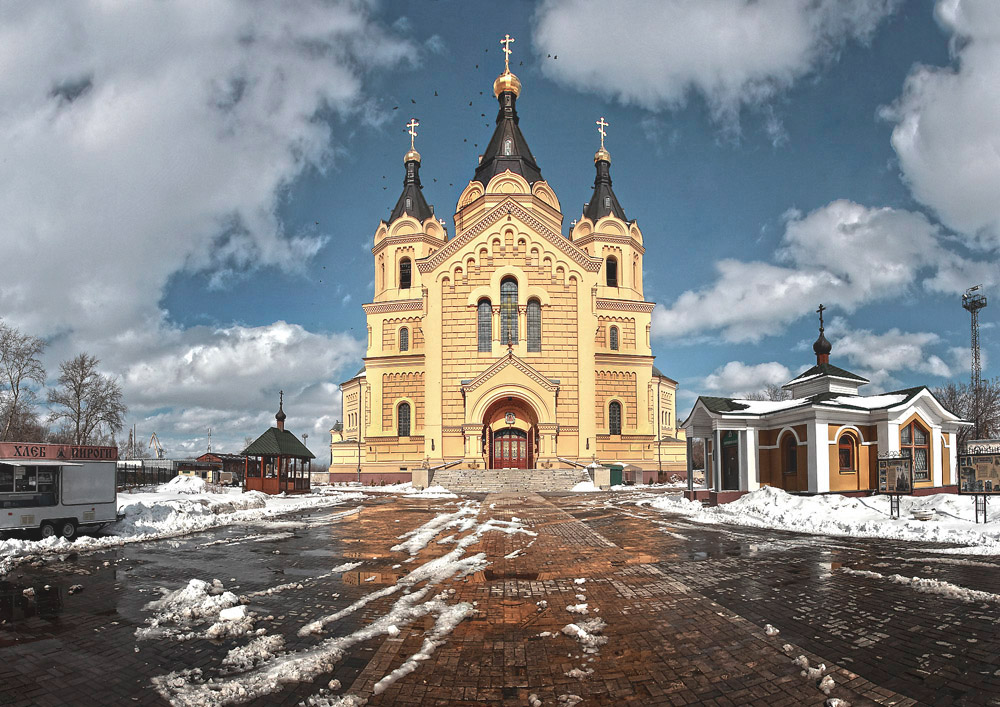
<point x="509" y="207"/>
<point x="412" y="238"/>
<point x="510" y="360"/>
<point x="399" y="305"/>
<point x="624" y="305"/>
<point x="450" y="430"/>
<point x="606" y="238"/>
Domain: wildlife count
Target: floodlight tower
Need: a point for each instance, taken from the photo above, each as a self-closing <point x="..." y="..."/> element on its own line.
<point x="973" y="300"/>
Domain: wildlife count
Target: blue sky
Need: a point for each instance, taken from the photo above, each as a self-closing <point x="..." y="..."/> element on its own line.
<point x="206" y="204"/>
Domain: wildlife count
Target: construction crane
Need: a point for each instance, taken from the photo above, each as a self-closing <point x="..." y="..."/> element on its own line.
<point x="973" y="300"/>
<point x="154" y="443"/>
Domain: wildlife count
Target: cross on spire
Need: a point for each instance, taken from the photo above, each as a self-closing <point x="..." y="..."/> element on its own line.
<point x="281" y="398"/>
<point x="821" y="310"/>
<point x="506" y="41"/>
<point x="412" y="130"/>
<point x="601" y="125"/>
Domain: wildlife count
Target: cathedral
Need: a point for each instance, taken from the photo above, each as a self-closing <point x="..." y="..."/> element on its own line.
<point x="507" y="345"/>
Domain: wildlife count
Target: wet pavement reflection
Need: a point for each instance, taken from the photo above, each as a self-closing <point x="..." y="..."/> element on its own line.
<point x="677" y="611"/>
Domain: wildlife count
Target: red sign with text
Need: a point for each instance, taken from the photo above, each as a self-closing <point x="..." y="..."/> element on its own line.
<point x="66" y="452"/>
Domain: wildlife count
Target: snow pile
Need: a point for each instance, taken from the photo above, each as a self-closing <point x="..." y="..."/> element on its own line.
<point x="184" y="484"/>
<point x="833" y="514"/>
<point x="577" y="609"/>
<point x="585" y="487"/>
<point x="183" y="610"/>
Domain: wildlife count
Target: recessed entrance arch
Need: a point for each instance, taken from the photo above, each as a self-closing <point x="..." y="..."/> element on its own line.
<point x="510" y="434"/>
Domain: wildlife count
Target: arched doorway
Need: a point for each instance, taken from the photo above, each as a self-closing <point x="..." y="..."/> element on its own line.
<point x="510" y="434"/>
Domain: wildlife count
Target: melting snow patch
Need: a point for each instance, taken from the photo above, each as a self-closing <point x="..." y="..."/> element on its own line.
<point x="836" y="702"/>
<point x="827" y="684"/>
<point x="587" y="633"/>
<point x="580" y="580"/>
<point x="570" y="700"/>
<point x="931" y="586"/>
<point x="180" y="611"/>
<point x="517" y="553"/>
<point x="577" y="609"/>
<point x="578" y="673"/>
<point x="771" y="630"/>
<point x="259" y="650"/>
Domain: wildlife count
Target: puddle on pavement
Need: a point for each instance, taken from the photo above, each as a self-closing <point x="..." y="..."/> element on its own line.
<point x="377" y="578"/>
<point x="15" y="606"/>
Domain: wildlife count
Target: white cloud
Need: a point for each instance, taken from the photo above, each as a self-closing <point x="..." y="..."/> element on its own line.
<point x="737" y="377"/>
<point x="947" y="133"/>
<point x="842" y="254"/>
<point x="138" y="140"/>
<point x="228" y="379"/>
<point x="887" y="352"/>
<point x="734" y="53"/>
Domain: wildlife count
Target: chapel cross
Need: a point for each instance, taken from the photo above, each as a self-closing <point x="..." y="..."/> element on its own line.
<point x="412" y="125"/>
<point x="281" y="398"/>
<point x="820" y="310"/>
<point x="506" y="51"/>
<point x="601" y="125"/>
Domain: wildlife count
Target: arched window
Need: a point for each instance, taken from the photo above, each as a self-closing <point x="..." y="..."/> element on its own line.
<point x="790" y="454"/>
<point x="404" y="339"/>
<point x="913" y="438"/>
<point x="848" y="454"/>
<point x="507" y="147"/>
<point x="611" y="266"/>
<point x="508" y="311"/>
<point x="615" y="418"/>
<point x="534" y="325"/>
<point x="403" y="414"/>
<point x="607" y="202"/>
<point x="409" y="203"/>
<point x="485" y="326"/>
<point x="405" y="270"/>
<point x="613" y="336"/>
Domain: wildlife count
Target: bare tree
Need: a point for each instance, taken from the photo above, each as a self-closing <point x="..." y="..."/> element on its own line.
<point x="958" y="398"/>
<point x="20" y="364"/>
<point x="90" y="403"/>
<point x="698" y="454"/>
<point x="770" y="392"/>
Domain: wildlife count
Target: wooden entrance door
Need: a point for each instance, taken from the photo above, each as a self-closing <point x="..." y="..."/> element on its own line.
<point x="510" y="449"/>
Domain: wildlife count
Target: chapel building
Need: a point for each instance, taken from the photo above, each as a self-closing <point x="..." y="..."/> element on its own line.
<point x="825" y="437"/>
<point x="509" y="344"/>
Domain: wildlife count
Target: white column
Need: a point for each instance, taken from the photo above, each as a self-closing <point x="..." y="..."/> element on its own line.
<point x="937" y="473"/>
<point x="717" y="461"/>
<point x="819" y="457"/>
<point x="749" y="477"/>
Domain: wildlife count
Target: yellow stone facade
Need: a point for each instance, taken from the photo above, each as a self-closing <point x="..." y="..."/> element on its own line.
<point x="463" y="400"/>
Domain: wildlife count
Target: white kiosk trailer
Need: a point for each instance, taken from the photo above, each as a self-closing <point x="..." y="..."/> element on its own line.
<point x="56" y="488"/>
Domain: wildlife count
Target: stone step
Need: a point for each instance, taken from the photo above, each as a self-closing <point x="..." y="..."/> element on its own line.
<point x="493" y="480"/>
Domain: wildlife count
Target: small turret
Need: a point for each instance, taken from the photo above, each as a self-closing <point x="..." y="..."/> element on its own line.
<point x="822" y="347"/>
<point x="603" y="202"/>
<point x="411" y="201"/>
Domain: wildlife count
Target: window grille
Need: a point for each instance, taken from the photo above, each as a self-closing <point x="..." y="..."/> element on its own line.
<point x="615" y="418"/>
<point x="485" y="326"/>
<point x="404" y="339"/>
<point x="405" y="269"/>
<point x="612" y="272"/>
<point x="847" y="453"/>
<point x="614" y="338"/>
<point x="913" y="438"/>
<point x="534" y="325"/>
<point x="404" y="419"/>
<point x="508" y="311"/>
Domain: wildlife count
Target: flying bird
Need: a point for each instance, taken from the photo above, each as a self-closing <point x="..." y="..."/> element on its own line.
<point x="412" y="101"/>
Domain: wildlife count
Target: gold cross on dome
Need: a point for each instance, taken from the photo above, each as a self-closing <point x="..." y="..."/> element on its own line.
<point x="412" y="125"/>
<point x="601" y="125"/>
<point x="506" y="51"/>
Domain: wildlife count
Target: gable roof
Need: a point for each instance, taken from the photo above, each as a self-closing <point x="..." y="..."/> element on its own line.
<point x="275" y="441"/>
<point x="758" y="408"/>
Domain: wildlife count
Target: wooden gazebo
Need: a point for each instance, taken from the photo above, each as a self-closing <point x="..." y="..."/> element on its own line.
<point x="277" y="462"/>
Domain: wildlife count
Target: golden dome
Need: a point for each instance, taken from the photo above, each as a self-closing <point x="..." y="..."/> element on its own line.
<point x="602" y="154"/>
<point x="506" y="82"/>
<point x="411" y="156"/>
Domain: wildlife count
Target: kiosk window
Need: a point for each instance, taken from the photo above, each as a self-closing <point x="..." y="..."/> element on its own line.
<point x="6" y="478"/>
<point x="25" y="478"/>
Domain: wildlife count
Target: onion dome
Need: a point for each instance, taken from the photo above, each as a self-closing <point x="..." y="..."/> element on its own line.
<point x="411" y="156"/>
<point x="280" y="416"/>
<point x="602" y="154"/>
<point x="507" y="82"/>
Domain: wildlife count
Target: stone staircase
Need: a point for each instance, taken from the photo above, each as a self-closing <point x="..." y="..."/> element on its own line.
<point x="502" y="480"/>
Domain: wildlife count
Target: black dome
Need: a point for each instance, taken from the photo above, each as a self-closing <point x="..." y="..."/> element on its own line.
<point x="822" y="346"/>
